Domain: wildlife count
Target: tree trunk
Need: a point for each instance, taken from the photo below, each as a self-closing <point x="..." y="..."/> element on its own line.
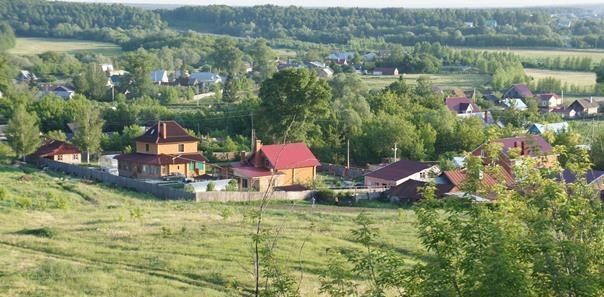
<point x="88" y="157"/>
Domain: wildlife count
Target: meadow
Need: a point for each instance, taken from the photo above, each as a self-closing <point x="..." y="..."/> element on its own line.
<point x="443" y="80"/>
<point x="595" y="55"/>
<point x="582" y="79"/>
<point x="34" y="46"/>
<point x="67" y="237"/>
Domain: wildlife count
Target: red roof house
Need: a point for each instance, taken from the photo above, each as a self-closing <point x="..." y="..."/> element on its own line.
<point x="59" y="151"/>
<point x="461" y="105"/>
<point x="281" y="164"/>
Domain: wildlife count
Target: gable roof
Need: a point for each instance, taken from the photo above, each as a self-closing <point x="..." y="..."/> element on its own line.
<point x="584" y="103"/>
<point x="55" y="147"/>
<point x="159" y="76"/>
<point x="173" y="133"/>
<point x="410" y="190"/>
<point x="460" y="104"/>
<point x="290" y="155"/>
<point x="553" y="127"/>
<point x="535" y="144"/>
<point x="62" y="89"/>
<point x="514" y="103"/>
<point x="570" y="177"/>
<point x="518" y="90"/>
<point x="386" y="70"/>
<point x="458" y="177"/>
<point x="399" y="170"/>
<point x="547" y="96"/>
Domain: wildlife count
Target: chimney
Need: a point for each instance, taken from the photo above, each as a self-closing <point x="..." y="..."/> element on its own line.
<point x="242" y="156"/>
<point x="258" y="145"/>
<point x="164" y="133"/>
<point x="516" y="144"/>
<point x="524" y="149"/>
<point x="486" y="117"/>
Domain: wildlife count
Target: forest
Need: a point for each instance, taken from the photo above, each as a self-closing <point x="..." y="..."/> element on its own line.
<point x="489" y="27"/>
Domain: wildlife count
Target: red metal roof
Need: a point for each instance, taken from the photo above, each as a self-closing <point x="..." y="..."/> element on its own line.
<point x="166" y="132"/>
<point x="457" y="177"/>
<point x="535" y="144"/>
<point x="55" y="147"/>
<point x="291" y="155"/>
<point x="250" y="171"/>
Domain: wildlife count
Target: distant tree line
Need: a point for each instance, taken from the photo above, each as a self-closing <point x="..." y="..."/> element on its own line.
<point x="489" y="27"/>
<point x="7" y="37"/>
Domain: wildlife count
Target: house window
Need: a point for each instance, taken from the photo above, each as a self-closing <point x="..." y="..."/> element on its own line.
<point x="422" y="175"/>
<point x="146" y="147"/>
<point x="60" y="157"/>
<point x="76" y="156"/>
<point x="181" y="148"/>
<point x="163" y="170"/>
<point x="244" y="183"/>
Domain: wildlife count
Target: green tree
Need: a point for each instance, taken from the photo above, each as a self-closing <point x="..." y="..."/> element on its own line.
<point x="294" y="102"/>
<point x="22" y="132"/>
<point x="597" y="150"/>
<point x="89" y="130"/>
<point x="229" y="59"/>
<point x="56" y="135"/>
<point x="140" y="64"/>
<point x="264" y="59"/>
<point x="92" y="82"/>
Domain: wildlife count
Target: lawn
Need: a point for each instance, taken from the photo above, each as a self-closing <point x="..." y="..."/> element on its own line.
<point x="67" y="237"/>
<point x="34" y="46"/>
<point x="443" y="80"/>
<point x="583" y="79"/>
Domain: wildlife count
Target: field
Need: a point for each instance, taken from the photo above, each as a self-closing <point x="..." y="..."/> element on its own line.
<point x="67" y="237"/>
<point x="442" y="80"/>
<point x="583" y="79"/>
<point x="596" y="55"/>
<point x="33" y="46"/>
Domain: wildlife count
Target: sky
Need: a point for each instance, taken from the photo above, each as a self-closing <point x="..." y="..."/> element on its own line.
<point x="367" y="3"/>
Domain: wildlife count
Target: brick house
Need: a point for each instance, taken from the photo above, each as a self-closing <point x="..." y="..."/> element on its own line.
<point x="59" y="151"/>
<point x="283" y="164"/>
<point x="166" y="149"/>
<point x="533" y="146"/>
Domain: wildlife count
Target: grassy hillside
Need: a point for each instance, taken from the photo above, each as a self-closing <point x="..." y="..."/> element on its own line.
<point x="67" y="237"/>
<point x="34" y="46"/>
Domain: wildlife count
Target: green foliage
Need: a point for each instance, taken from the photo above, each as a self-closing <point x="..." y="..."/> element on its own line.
<point x="211" y="187"/>
<point x="597" y="150"/>
<point x="57" y="135"/>
<point x="46" y="232"/>
<point x="92" y="82"/>
<point x="295" y="103"/>
<point x="22" y="132"/>
<point x="89" y="129"/>
<point x="7" y="37"/>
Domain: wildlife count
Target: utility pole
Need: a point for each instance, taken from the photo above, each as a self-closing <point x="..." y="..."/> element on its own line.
<point x="395" y="148"/>
<point x="253" y="136"/>
<point x="347" y="153"/>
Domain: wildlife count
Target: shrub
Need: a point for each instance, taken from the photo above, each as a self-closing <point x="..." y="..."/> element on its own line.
<point x="39" y="232"/>
<point x="326" y="196"/>
<point x="2" y="194"/>
<point x="23" y="202"/>
<point x="211" y="187"/>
